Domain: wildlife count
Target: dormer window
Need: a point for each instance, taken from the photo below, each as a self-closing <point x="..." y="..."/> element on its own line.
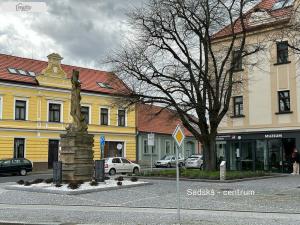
<point x="279" y="4"/>
<point x="12" y="70"/>
<point x="104" y="85"/>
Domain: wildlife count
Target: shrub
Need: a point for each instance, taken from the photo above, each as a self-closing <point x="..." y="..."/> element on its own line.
<point x="119" y="183"/>
<point x="94" y="183"/>
<point x="106" y="178"/>
<point x="49" y="180"/>
<point x="27" y="183"/>
<point x="133" y="179"/>
<point x="58" y="185"/>
<point x="79" y="182"/>
<point x="74" y="185"/>
<point x="20" y="182"/>
<point x="120" y="178"/>
<point x="37" y="181"/>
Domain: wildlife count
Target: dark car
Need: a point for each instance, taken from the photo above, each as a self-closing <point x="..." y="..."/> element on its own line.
<point x="21" y="166"/>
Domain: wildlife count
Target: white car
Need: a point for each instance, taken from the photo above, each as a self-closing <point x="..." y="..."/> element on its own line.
<point x="194" y="161"/>
<point x="115" y="165"/>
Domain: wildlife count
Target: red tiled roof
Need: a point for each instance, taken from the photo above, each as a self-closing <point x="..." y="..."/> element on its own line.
<point x="87" y="77"/>
<point x="276" y="16"/>
<point x="155" y="119"/>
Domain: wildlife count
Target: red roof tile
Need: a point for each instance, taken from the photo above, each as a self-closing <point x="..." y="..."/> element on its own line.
<point x="155" y="119"/>
<point x="87" y="77"/>
<point x="276" y="16"/>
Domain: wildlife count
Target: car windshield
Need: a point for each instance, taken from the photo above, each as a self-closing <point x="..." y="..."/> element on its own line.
<point x="194" y="157"/>
<point x="167" y="157"/>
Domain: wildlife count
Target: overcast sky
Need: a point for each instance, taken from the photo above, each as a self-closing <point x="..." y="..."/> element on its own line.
<point x="81" y="31"/>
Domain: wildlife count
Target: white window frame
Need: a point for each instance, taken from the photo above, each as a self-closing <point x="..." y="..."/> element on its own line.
<point x="166" y="146"/>
<point x="118" y="117"/>
<point x="104" y="107"/>
<point x="90" y="111"/>
<point x="1" y="107"/>
<point x="61" y="110"/>
<point x="27" y="106"/>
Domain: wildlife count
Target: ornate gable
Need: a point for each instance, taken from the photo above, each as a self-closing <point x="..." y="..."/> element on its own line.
<point x="54" y="75"/>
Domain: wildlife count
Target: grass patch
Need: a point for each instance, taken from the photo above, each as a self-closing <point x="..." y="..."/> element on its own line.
<point x="200" y="174"/>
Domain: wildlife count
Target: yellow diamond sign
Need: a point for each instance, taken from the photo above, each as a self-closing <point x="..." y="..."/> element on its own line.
<point x="178" y="135"/>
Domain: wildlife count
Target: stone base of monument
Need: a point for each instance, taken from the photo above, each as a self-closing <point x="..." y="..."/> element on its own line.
<point x="76" y="154"/>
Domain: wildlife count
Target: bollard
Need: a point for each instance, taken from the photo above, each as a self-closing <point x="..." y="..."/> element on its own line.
<point x="223" y="170"/>
<point x="57" y="172"/>
<point x="99" y="170"/>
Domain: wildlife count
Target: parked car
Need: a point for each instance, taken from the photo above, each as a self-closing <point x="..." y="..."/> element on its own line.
<point x="115" y="165"/>
<point x="19" y="165"/>
<point x="169" y="161"/>
<point x="194" y="161"/>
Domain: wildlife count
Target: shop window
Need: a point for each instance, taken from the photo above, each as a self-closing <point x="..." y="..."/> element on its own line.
<point x="282" y="52"/>
<point x="284" y="101"/>
<point x="85" y="110"/>
<point x="20" y="110"/>
<point x="19" y="148"/>
<point x="238" y="107"/>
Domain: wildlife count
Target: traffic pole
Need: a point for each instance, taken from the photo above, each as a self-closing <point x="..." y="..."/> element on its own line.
<point x="177" y="184"/>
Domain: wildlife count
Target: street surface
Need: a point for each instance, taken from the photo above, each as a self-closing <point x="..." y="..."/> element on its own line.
<point x="267" y="201"/>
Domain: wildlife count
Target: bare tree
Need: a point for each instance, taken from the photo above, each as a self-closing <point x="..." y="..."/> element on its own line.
<point x="174" y="59"/>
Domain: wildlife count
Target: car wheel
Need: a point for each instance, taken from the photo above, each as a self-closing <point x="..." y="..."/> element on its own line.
<point x="23" y="172"/>
<point x="180" y="165"/>
<point x="201" y="167"/>
<point x="169" y="165"/>
<point x="136" y="170"/>
<point x="112" y="172"/>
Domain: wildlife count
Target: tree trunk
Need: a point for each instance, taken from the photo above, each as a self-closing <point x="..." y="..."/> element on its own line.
<point x="209" y="153"/>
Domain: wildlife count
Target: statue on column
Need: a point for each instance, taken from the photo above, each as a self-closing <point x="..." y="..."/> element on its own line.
<point x="78" y="124"/>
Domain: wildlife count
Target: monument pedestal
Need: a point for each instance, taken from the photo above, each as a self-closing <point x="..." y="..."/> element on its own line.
<point x="76" y="155"/>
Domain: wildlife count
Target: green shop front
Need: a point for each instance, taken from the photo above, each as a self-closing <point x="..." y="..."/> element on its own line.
<point x="269" y="151"/>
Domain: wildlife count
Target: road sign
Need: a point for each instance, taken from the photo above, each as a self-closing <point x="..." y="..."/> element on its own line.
<point x="102" y="140"/>
<point x="151" y="139"/>
<point x="178" y="135"/>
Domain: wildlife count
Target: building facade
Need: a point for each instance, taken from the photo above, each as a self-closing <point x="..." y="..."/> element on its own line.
<point x="162" y="123"/>
<point x="35" y="109"/>
<point x="263" y="126"/>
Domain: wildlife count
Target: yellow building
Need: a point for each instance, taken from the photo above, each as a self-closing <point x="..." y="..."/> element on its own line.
<point x="35" y="109"/>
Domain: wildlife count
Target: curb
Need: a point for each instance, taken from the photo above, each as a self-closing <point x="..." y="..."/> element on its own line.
<point x="73" y="192"/>
<point x="212" y="181"/>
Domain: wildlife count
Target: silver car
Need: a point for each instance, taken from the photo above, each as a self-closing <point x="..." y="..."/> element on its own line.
<point x="169" y="161"/>
<point x="194" y="161"/>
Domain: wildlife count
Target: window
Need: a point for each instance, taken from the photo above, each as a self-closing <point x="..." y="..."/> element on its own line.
<point x="54" y="112"/>
<point x="284" y="101"/>
<point x="279" y="4"/>
<point x="31" y="73"/>
<point x="104" y="116"/>
<point x="125" y="161"/>
<point x="12" y="70"/>
<point x="85" y="110"/>
<point x="238" y="106"/>
<point x="116" y="160"/>
<point x="104" y="85"/>
<point x="121" y="117"/>
<point x="22" y="72"/>
<point x="282" y="52"/>
<point x="20" y="110"/>
<point x="168" y="147"/>
<point x="19" y="148"/>
<point x="145" y="147"/>
<point x="237" y="62"/>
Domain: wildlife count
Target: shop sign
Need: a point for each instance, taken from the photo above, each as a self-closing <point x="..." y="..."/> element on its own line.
<point x="273" y="135"/>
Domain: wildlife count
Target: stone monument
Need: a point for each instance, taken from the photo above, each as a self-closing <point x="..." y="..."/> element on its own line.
<point x="76" y="151"/>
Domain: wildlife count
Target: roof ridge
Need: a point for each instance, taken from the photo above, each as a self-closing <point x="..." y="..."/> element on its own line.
<point x="45" y="61"/>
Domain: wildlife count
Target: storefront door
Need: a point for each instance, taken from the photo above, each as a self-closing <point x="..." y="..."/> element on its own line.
<point x="275" y="155"/>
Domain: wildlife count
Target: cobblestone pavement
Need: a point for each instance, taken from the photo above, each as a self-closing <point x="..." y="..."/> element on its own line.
<point x="267" y="201"/>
